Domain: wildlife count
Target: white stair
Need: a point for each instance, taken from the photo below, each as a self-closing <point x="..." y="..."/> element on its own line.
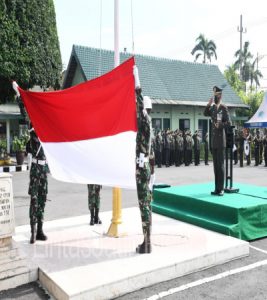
<point x="14" y="270"/>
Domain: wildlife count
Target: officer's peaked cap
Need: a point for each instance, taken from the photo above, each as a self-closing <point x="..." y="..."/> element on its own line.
<point x="216" y="89"/>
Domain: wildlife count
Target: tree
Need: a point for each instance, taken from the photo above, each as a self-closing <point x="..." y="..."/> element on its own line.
<point x="29" y="46"/>
<point x="233" y="79"/>
<point x="254" y="74"/>
<point x="245" y="57"/>
<point x="252" y="99"/>
<point x="204" y="47"/>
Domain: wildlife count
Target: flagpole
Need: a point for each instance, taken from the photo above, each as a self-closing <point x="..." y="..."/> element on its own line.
<point x="114" y="229"/>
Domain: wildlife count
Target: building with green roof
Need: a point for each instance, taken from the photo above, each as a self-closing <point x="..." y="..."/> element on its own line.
<point x="179" y="90"/>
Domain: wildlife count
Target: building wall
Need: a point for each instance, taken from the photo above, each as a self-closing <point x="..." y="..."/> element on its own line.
<point x="179" y="115"/>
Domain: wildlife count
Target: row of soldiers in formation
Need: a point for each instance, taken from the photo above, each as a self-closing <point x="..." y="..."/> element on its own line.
<point x="249" y="145"/>
<point x="177" y="147"/>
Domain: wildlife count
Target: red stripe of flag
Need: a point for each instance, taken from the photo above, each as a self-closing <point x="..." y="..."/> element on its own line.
<point x="101" y="107"/>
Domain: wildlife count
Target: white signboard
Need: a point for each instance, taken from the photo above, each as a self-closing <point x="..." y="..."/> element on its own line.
<point x="7" y="223"/>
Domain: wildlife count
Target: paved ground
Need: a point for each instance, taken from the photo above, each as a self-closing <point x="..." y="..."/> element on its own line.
<point x="240" y="279"/>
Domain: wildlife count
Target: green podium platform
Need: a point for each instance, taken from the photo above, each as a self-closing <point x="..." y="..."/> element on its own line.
<point x="242" y="215"/>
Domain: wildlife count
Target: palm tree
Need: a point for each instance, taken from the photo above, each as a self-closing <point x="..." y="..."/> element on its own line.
<point x="204" y="47"/>
<point x="244" y="57"/>
<point x="254" y="74"/>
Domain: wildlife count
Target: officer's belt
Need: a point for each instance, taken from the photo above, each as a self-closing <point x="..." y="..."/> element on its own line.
<point x="145" y="159"/>
<point x="39" y="161"/>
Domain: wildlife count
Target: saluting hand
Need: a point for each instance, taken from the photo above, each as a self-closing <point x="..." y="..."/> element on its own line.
<point x="210" y="101"/>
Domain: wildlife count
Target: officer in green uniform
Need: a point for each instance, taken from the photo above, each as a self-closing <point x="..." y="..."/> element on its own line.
<point x="94" y="203"/>
<point x="220" y="120"/>
<point x="143" y="171"/>
<point x="38" y="187"/>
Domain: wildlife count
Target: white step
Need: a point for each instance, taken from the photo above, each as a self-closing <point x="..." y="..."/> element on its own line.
<point x="79" y="262"/>
<point x="8" y="252"/>
<point x="11" y="264"/>
<point x="17" y="277"/>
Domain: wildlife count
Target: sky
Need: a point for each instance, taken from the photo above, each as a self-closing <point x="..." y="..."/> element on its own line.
<point x="165" y="28"/>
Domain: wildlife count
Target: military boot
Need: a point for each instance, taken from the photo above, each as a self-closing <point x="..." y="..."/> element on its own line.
<point x="33" y="233"/>
<point x="92" y="222"/>
<point x="40" y="236"/>
<point x="96" y="218"/>
<point x="146" y="246"/>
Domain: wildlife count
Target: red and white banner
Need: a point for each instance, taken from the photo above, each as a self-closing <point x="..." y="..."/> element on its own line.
<point x="88" y="131"/>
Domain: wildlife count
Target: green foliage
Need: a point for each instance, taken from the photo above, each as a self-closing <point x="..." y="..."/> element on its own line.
<point x="253" y="99"/>
<point x="3" y="145"/>
<point x="233" y="79"/>
<point x="204" y="47"/>
<point x="29" y="47"/>
<point x="19" y="143"/>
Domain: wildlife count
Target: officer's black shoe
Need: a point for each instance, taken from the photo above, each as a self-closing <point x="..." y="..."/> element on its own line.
<point x="214" y="193"/>
<point x="96" y="218"/>
<point x="40" y="236"/>
<point x="220" y="193"/>
<point x="33" y="234"/>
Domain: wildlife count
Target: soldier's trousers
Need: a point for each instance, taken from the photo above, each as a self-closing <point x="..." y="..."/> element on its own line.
<point x="248" y="158"/>
<point x="197" y="157"/>
<point x="38" y="192"/>
<point x="265" y="155"/>
<point x="241" y="154"/>
<point x="158" y="156"/>
<point x="206" y="156"/>
<point x="144" y="196"/>
<point x="218" y="166"/>
<point x="257" y="156"/>
<point x="93" y="196"/>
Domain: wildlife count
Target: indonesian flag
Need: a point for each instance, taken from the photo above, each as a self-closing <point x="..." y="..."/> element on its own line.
<point x="88" y="131"/>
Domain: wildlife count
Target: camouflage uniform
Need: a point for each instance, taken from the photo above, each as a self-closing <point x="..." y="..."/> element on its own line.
<point x="93" y="196"/>
<point x="143" y="145"/>
<point x="94" y="203"/>
<point x="38" y="187"/>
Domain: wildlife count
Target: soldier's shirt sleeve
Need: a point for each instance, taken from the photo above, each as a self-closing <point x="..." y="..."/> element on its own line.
<point x="207" y="111"/>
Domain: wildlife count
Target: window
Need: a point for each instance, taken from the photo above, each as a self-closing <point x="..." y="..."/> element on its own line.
<point x="202" y="127"/>
<point x="184" y="124"/>
<point x="166" y="123"/>
<point x="156" y="124"/>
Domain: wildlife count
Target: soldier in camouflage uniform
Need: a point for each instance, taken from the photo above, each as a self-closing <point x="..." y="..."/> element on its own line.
<point x="94" y="203"/>
<point x="143" y="172"/>
<point x="38" y="187"/>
